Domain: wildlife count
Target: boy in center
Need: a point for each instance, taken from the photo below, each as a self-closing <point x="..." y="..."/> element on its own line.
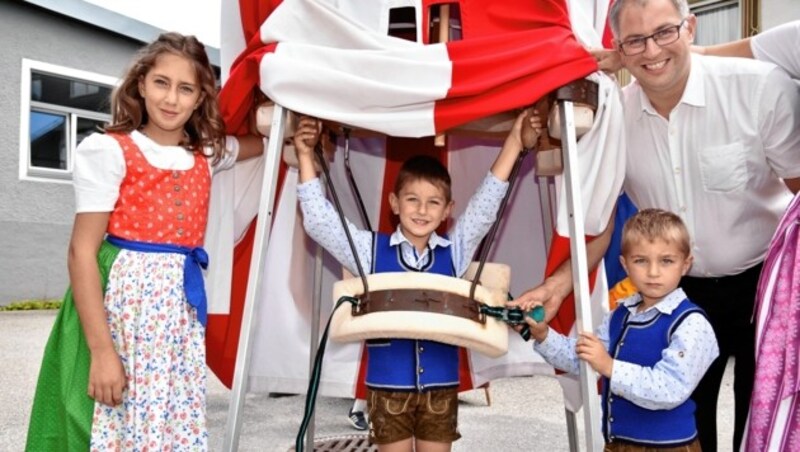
<point x="412" y="385"/>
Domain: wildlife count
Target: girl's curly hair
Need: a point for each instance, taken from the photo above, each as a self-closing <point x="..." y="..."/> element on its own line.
<point x="204" y="129"/>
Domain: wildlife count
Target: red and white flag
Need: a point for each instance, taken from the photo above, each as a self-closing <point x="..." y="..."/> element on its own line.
<point x="325" y="59"/>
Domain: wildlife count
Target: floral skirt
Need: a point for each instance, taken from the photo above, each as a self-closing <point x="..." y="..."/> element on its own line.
<point x="161" y="345"/>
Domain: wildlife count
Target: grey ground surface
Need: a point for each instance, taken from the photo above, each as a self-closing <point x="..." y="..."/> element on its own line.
<point x="526" y="414"/>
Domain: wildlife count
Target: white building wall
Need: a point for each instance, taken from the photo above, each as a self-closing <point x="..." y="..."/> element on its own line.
<point x="36" y="217"/>
<point x="776" y="12"/>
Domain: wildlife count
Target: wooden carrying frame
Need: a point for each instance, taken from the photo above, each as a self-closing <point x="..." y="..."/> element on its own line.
<point x="489" y="337"/>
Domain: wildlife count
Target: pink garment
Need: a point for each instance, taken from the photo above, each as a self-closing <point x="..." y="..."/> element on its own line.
<point x="774" y="420"/>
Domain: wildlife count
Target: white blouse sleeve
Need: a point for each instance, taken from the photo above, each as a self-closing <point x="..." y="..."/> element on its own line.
<point x="226" y="162"/>
<point x="781" y="46"/>
<point x="97" y="173"/>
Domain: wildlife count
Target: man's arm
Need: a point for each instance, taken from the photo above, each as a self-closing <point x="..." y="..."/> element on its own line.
<point x="778" y="115"/>
<point x="740" y="48"/>
<point x="556" y="287"/>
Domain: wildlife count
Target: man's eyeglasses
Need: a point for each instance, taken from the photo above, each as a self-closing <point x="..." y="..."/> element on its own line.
<point x="665" y="36"/>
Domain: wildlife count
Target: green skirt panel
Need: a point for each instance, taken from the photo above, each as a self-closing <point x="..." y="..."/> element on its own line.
<point x="61" y="417"/>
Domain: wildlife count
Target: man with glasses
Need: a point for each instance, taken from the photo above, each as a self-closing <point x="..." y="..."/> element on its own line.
<point x="717" y="141"/>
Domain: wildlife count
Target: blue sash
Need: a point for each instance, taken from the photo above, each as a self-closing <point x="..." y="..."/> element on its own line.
<point x="196" y="258"/>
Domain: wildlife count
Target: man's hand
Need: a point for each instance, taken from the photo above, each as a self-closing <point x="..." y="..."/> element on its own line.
<point x="106" y="377"/>
<point x="545" y="295"/>
<point x="590" y="349"/>
<point x="608" y="60"/>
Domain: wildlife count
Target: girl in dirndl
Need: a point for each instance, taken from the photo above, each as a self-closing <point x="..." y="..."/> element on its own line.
<point x="124" y="368"/>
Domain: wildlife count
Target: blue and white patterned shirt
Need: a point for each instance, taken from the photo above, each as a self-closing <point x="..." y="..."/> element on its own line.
<point x="322" y="224"/>
<point x="692" y="349"/>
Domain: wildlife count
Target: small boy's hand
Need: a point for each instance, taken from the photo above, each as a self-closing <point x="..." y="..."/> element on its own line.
<point x="538" y="330"/>
<point x="526" y="130"/>
<point x="307" y="135"/>
<point x="590" y="349"/>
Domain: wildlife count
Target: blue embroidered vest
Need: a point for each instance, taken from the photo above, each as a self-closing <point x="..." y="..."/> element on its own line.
<point x="405" y="364"/>
<point x="642" y="343"/>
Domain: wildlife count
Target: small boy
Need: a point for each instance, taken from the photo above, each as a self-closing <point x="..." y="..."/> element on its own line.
<point x="412" y="385"/>
<point x="661" y="343"/>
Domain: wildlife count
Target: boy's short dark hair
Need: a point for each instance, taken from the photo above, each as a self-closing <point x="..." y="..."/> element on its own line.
<point x="651" y="224"/>
<point x="427" y="168"/>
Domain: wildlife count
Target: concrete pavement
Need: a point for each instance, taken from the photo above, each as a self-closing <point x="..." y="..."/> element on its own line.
<point x="526" y="413"/>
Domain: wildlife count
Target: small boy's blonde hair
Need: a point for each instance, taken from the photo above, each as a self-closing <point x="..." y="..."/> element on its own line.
<point x="652" y="224"/>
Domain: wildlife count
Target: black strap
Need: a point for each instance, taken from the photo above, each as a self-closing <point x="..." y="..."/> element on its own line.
<point x="329" y="182"/>
<point x="362" y="210"/>
<point x="487" y="241"/>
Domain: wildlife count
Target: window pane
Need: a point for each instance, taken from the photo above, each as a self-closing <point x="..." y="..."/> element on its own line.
<point x="70" y="93"/>
<point x="48" y="133"/>
<point x="87" y="127"/>
<point x="716" y="25"/>
<point x="403" y="23"/>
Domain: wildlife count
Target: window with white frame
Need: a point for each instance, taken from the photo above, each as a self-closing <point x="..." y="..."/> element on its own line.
<point x="718" y="21"/>
<point x="59" y="107"/>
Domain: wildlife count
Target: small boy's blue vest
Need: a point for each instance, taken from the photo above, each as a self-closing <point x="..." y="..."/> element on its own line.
<point x="405" y="364"/>
<point x="643" y="343"/>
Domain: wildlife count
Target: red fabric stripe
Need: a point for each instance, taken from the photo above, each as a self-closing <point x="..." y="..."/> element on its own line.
<point x="222" y="331"/>
<point x="505" y="72"/>
<point x="236" y="97"/>
<point x="481" y="18"/>
<point x="559" y="253"/>
<point x="253" y="13"/>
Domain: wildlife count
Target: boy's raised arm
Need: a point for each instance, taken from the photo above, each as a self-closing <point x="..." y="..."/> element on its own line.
<point x="527" y="128"/>
<point x="306" y="138"/>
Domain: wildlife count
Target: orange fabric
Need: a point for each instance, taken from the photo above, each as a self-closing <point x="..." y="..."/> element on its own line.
<point x="622" y="289"/>
<point x="160" y="206"/>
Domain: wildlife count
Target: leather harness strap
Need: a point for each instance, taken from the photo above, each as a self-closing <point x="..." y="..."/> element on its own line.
<point x="419" y="300"/>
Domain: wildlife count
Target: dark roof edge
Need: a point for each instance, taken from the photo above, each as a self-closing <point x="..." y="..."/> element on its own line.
<point x="109" y="20"/>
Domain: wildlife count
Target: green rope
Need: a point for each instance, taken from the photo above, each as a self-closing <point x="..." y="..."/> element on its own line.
<point x="316" y="373"/>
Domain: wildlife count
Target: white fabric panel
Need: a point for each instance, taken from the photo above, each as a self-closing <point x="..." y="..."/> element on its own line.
<point x="282" y="339"/>
<point x="234" y="203"/>
<point x="281" y="342"/>
<point x="340" y="82"/>
<point x="588" y="20"/>
<point x="601" y="162"/>
<point x="520" y="243"/>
